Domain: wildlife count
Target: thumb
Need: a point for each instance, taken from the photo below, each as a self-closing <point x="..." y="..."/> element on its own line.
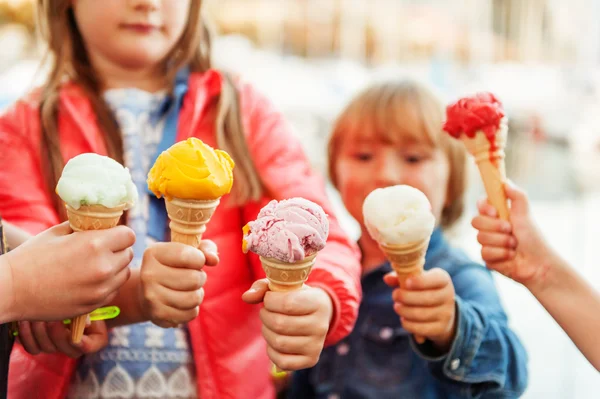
<point x="62" y="229"/>
<point x="95" y="338"/>
<point x="391" y="279"/>
<point x="257" y="292"/>
<point x="519" y="203"/>
<point x="211" y="253"/>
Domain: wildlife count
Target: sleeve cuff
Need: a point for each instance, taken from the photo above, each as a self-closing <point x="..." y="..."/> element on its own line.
<point x="456" y="363"/>
<point x="345" y="300"/>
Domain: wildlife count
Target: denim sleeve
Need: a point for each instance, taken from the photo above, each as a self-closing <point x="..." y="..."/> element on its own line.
<point x="486" y="358"/>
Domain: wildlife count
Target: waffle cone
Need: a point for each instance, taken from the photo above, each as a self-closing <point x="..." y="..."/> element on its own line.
<point x="284" y="276"/>
<point x="407" y="260"/>
<point x="491" y="165"/>
<point x="94" y="217"/>
<point x="189" y="219"/>
<point x="90" y="217"/>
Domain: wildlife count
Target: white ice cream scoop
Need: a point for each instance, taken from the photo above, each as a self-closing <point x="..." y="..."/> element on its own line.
<point x="398" y="215"/>
<point x="92" y="179"/>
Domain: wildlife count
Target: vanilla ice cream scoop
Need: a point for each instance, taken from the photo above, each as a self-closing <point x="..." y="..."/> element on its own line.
<point x="92" y="179"/>
<point x="398" y="215"/>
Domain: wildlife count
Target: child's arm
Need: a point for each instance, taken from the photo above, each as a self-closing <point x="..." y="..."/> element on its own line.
<point x="518" y="250"/>
<point x="473" y="350"/>
<point x="286" y="173"/>
<point x="14" y="235"/>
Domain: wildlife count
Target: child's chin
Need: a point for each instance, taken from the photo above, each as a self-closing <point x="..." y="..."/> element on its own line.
<point x="141" y="57"/>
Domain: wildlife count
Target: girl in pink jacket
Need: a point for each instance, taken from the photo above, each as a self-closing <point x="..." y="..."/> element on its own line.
<point x="128" y="79"/>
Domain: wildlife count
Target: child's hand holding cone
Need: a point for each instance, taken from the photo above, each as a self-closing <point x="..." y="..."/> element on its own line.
<point x="96" y="191"/>
<point x="287" y="235"/>
<point x="295" y="323"/>
<point x="399" y="218"/>
<point x="192" y="177"/>
<point x="172" y="281"/>
<point x="426" y="306"/>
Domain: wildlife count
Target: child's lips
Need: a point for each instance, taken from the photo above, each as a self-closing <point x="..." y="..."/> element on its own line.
<point x="141" y="28"/>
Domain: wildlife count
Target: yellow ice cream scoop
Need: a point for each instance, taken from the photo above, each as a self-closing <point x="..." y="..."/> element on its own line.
<point x="191" y="170"/>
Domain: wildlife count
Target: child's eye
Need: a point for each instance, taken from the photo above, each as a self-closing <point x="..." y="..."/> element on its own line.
<point x="363" y="156"/>
<point x="413" y="158"/>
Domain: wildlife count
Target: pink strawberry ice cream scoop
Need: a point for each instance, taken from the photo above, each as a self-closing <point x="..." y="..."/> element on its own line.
<point x="289" y="230"/>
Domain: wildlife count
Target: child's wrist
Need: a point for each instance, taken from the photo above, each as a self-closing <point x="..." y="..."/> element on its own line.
<point x="444" y="343"/>
<point x="141" y="302"/>
<point x="550" y="273"/>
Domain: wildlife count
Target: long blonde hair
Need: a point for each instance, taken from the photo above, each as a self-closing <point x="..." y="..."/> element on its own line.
<point x="69" y="60"/>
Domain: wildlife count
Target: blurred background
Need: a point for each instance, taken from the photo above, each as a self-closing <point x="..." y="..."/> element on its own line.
<point x="540" y="57"/>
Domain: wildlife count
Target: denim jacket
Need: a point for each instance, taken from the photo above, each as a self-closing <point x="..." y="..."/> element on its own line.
<point x="380" y="359"/>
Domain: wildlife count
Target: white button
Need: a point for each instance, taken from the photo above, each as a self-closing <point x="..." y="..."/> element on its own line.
<point x="386" y="333"/>
<point x="454" y="364"/>
<point x="333" y="396"/>
<point x="343" y="349"/>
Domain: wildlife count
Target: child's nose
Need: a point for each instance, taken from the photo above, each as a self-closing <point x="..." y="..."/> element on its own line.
<point x="145" y="5"/>
<point x="389" y="174"/>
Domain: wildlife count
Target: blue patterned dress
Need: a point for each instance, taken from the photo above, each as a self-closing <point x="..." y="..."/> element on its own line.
<point x="142" y="360"/>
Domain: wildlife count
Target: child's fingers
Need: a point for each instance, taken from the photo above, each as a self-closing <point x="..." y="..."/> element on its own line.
<point x="61" y="337"/>
<point x="168" y="317"/>
<point x="496" y="254"/>
<point x="95" y="338"/>
<point x="287" y="344"/>
<point x="27" y="339"/>
<point x="420" y="298"/>
<point x="40" y="332"/>
<point x="123" y="258"/>
<point x="497" y="240"/>
<point x="424" y="329"/>
<point x="289" y="362"/>
<point x="391" y="279"/>
<point x="180" y="300"/>
<point x="181" y="279"/>
<point x="417" y="313"/>
<point x="485" y="208"/>
<point x="428" y="280"/>
<point x="519" y="203"/>
<point x="488" y="224"/>
<point x="118" y="281"/>
<point x="118" y="238"/>
<point x="174" y="254"/>
<point x="504" y="268"/>
<point x="293" y="303"/>
<point x="283" y="324"/>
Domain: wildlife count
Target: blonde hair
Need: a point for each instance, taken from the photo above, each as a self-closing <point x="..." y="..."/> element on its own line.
<point x="379" y="112"/>
<point x="69" y="60"/>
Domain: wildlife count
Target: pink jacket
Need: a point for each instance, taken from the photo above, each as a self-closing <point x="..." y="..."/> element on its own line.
<point x="228" y="349"/>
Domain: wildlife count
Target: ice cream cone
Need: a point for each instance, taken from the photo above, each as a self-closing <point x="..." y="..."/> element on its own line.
<point x="94" y="217"/>
<point x="189" y="219"/>
<point x="489" y="156"/>
<point x="90" y="217"/>
<point x="283" y="276"/>
<point x="407" y="260"/>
